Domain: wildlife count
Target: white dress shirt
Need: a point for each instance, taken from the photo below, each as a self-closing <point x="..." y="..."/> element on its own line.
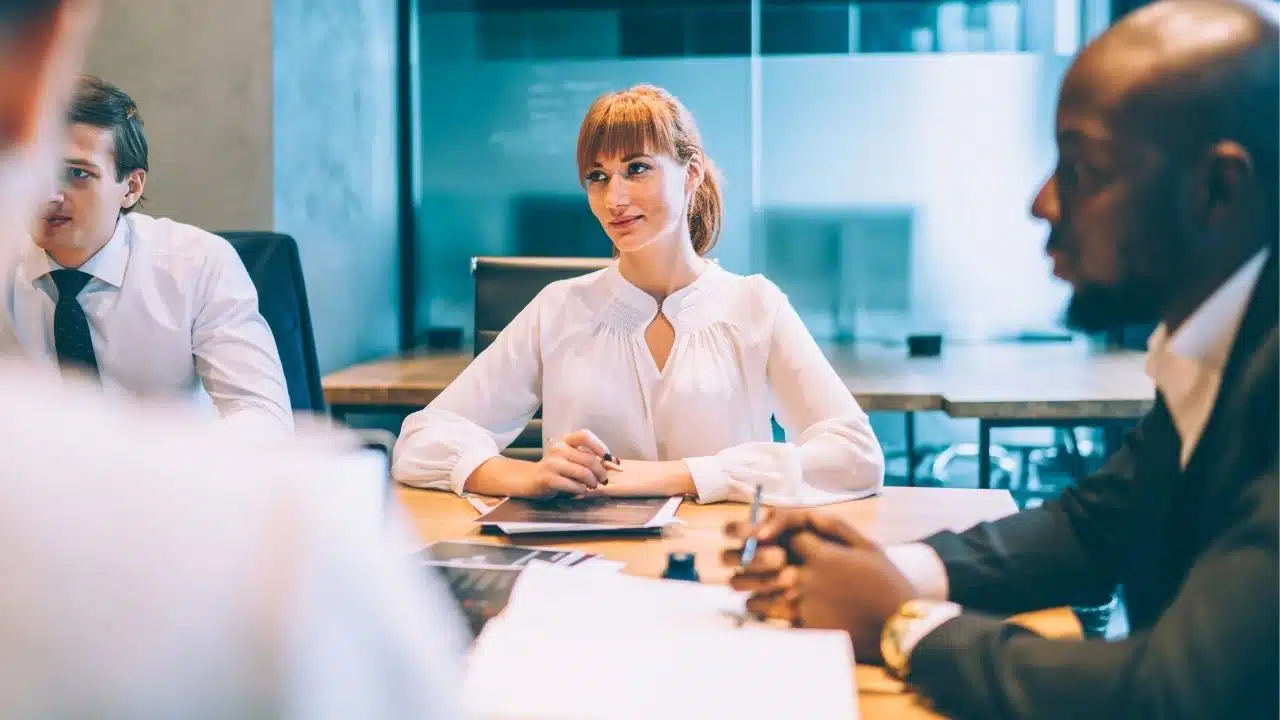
<point x="173" y="317"/>
<point x="1187" y="370"/>
<point x="156" y="568"/>
<point x="741" y="354"/>
<point x="1187" y="367"/>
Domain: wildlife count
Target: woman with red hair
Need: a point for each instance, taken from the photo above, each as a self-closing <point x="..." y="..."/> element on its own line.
<point x="658" y="375"/>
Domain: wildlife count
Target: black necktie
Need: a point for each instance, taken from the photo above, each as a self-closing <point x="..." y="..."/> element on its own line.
<point x="70" y="326"/>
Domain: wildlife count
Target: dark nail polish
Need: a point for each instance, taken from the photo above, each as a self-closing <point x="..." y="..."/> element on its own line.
<point x="608" y="457"/>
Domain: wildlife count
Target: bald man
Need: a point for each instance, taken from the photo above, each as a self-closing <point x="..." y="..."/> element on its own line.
<point x="1163" y="208"/>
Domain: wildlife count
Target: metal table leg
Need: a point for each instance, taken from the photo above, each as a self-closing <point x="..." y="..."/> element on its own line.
<point x="1073" y="448"/>
<point x="1113" y="438"/>
<point x="912" y="460"/>
<point x="984" y="454"/>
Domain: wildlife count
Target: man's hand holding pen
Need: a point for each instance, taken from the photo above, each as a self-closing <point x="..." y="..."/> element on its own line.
<point x="816" y="571"/>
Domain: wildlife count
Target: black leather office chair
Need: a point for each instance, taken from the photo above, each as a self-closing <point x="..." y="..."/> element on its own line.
<point x="504" y="286"/>
<point x="276" y="270"/>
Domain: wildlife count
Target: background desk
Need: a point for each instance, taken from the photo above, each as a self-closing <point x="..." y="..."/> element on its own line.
<point x="1001" y="385"/>
<point x="399" y="384"/>
<point x="1007" y="380"/>
<point x="898" y="515"/>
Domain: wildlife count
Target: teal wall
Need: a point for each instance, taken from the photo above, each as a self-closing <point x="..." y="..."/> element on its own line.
<point x="276" y="115"/>
<point x="335" y="168"/>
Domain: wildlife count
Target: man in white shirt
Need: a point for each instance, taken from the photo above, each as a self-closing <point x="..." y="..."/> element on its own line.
<point x="154" y="308"/>
<point x="160" y="568"/>
<point x="1163" y="207"/>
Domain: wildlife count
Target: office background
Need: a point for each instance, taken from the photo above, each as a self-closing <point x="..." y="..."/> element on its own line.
<point x="878" y="157"/>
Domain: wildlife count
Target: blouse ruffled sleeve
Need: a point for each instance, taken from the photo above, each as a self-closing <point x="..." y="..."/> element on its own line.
<point x="831" y="453"/>
<point x="480" y="413"/>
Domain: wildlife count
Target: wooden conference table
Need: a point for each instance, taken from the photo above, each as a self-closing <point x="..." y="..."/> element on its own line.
<point x="1000" y="385"/>
<point x="899" y="514"/>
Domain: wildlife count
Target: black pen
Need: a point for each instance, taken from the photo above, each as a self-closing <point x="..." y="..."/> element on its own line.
<point x="607" y="457"/>
<point x="749" y="547"/>
<point x="611" y="460"/>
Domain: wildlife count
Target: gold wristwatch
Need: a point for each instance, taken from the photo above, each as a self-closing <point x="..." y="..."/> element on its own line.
<point x="904" y="629"/>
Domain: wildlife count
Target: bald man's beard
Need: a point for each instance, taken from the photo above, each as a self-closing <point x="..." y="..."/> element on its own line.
<point x="1138" y="297"/>
<point x="1148" y="260"/>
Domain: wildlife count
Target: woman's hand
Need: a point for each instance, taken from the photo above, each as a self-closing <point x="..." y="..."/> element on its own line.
<point x="572" y="465"/>
<point x="641" y="478"/>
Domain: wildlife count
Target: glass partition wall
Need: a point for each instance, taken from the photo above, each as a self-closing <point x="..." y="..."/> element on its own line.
<point x="878" y="157"/>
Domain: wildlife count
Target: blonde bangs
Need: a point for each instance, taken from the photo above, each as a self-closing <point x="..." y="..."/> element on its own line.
<point x="624" y="124"/>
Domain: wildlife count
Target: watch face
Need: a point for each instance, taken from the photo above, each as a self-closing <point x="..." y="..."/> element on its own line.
<point x="916" y="609"/>
<point x="891" y="644"/>
<point x="895" y="633"/>
<point x="913" y="621"/>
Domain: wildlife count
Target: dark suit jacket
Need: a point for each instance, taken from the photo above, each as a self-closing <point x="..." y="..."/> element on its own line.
<point x="1195" y="551"/>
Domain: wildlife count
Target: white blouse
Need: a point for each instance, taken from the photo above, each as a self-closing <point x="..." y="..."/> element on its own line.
<point x="741" y="355"/>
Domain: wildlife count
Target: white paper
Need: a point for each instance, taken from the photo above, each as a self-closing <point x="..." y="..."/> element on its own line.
<point x="541" y="592"/>
<point x="479" y="504"/>
<point x="600" y="564"/>
<point x="575" y="644"/>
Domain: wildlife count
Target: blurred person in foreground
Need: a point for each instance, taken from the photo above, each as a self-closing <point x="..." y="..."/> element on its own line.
<point x="1163" y="207"/>
<point x="141" y="584"/>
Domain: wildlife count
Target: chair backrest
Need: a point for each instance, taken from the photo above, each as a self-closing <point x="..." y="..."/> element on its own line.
<point x="505" y="285"/>
<point x="273" y="264"/>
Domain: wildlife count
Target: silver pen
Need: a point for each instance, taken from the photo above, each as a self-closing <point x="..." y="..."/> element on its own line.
<point x="749" y="547"/>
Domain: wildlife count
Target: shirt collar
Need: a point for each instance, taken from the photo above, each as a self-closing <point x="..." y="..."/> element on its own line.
<point x="1206" y="336"/>
<point x="107" y="265"/>
<point x="645" y="305"/>
<point x="632" y="308"/>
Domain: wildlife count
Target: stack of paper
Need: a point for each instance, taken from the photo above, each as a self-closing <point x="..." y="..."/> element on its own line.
<point x="588" y="645"/>
<point x="567" y="514"/>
